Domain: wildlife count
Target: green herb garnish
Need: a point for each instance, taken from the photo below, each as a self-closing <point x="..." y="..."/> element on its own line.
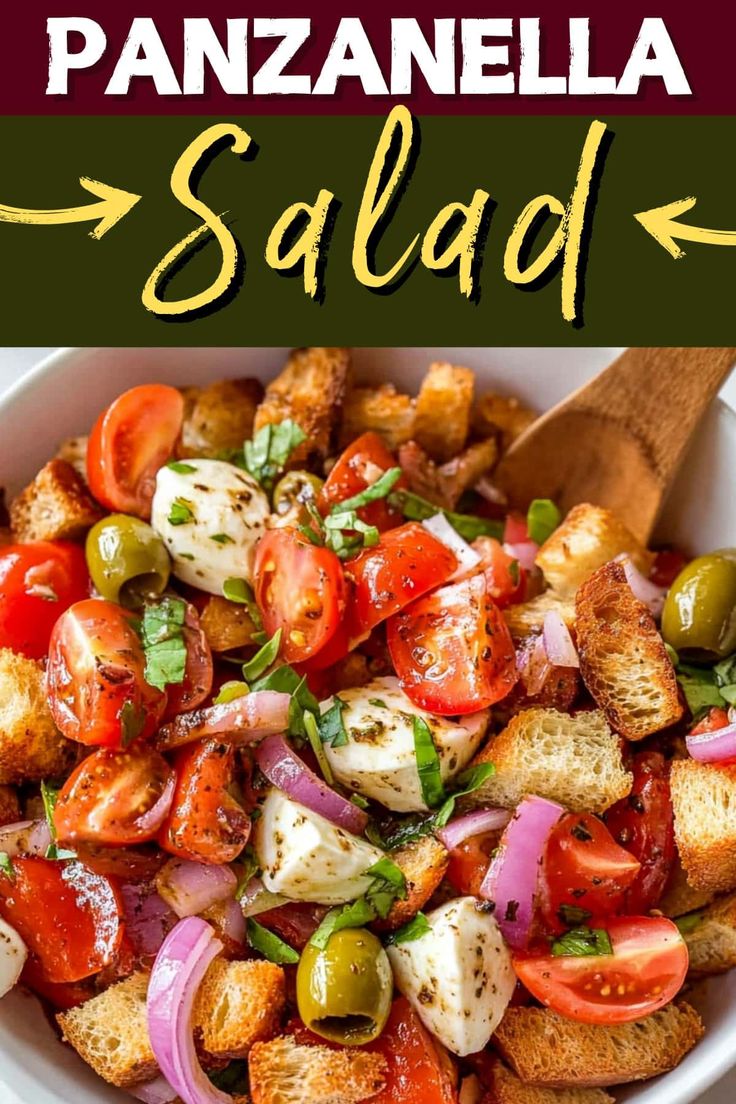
<point x="6" y="865"/>
<point x="542" y="518"/>
<point x="428" y="764"/>
<point x="181" y="512"/>
<point x="162" y="636"/>
<point x="269" y="945"/>
<point x="287" y="681"/>
<point x="377" y="703"/>
<point x="355" y="915"/>
<point x="414" y="829"/>
<point x="263" y="658"/>
<point x="688" y="923"/>
<point x="376" y="490"/>
<point x="331" y="725"/>
<point x="222" y="538"/>
<point x="313" y="735"/>
<point x="268" y="452"/>
<point x="415" y="929"/>
<point x="181" y="468"/>
<point x="388" y="884"/>
<point x="49" y="797"/>
<point x="232" y="1079"/>
<point x="230" y="691"/>
<point x="416" y="508"/>
<point x="579" y="942"/>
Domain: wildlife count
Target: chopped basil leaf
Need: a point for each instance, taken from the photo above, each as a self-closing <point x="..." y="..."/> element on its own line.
<point x="377" y="490"/>
<point x="6" y="865"/>
<point x="181" y="512"/>
<point x="313" y="537"/>
<point x="331" y="726"/>
<point x="377" y="703"/>
<point x="354" y="915"/>
<point x="542" y="519"/>
<point x="388" y="884"/>
<point x="49" y="796"/>
<point x="263" y="658"/>
<point x="222" y="538"/>
<point x="468" y="781"/>
<point x="162" y="635"/>
<point x="416" y="508"/>
<point x="428" y="764"/>
<point x="573" y="916"/>
<point x="579" y="942"/>
<point x="229" y="691"/>
<point x="269" y="945"/>
<point x="346" y="535"/>
<point x="359" y="800"/>
<point x="180" y="468"/>
<point x="132" y="721"/>
<point x="248" y="864"/>
<point x="241" y="592"/>
<point x="287" y="681"/>
<point x="687" y="924"/>
<point x="415" y="929"/>
<point x="700" y="689"/>
<point x="725" y="671"/>
<point x="185" y="556"/>
<point x="270" y="449"/>
<point x="310" y="727"/>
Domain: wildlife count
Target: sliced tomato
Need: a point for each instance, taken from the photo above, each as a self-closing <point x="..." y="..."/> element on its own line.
<point x="406" y="563"/>
<point x="643" y="823"/>
<point x="198" y="672"/>
<point x="360" y="465"/>
<point x="714" y="719"/>
<point x="452" y="649"/>
<point x="115" y="798"/>
<point x="295" y="923"/>
<point x="585" y="873"/>
<point x="38" y="582"/>
<point x="469" y="863"/>
<point x="300" y="589"/>
<point x="97" y="690"/>
<point x="61" y="996"/>
<point x="206" y="823"/>
<point x="646" y="970"/>
<point x="505" y="577"/>
<point x="130" y="441"/>
<point x="69" y="917"/>
<point x="129" y="864"/>
<point x="668" y="563"/>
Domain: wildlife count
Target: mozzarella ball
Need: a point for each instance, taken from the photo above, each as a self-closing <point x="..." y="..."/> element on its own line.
<point x="378" y="760"/>
<point x="458" y="975"/>
<point x="210" y="519"/>
<point x="307" y="857"/>
<point x="13" y="955"/>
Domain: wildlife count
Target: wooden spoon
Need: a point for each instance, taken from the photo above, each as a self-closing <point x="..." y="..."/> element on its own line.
<point x="619" y="440"/>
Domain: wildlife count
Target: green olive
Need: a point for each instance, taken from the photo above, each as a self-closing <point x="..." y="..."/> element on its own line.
<point x="344" y="991"/>
<point x="699" y="618"/>
<point x="293" y="488"/>
<point x="127" y="560"/>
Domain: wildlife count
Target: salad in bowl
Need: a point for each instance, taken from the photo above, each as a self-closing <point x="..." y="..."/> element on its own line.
<point x="326" y="776"/>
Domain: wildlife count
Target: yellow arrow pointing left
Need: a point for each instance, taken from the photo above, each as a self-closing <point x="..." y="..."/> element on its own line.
<point x="112" y="205"/>
<point x="663" y="223"/>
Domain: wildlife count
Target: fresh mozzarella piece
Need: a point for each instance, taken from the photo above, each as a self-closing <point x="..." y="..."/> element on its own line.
<point x="210" y="518"/>
<point x="13" y="955"/>
<point x="458" y="975"/>
<point x="378" y="760"/>
<point x="307" y="857"/>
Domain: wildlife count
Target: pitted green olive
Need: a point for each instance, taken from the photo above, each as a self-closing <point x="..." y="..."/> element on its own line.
<point x="127" y="560"/>
<point x="699" y="617"/>
<point x="344" y="991"/>
<point x="293" y="488"/>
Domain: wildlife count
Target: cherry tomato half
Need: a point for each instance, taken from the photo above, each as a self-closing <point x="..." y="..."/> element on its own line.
<point x="198" y="672"/>
<point x="668" y="563"/>
<point x="206" y="823"/>
<point x="643" y="823"/>
<point x="97" y="690"/>
<point x="469" y="863"/>
<point x="505" y="577"/>
<point x="406" y="563"/>
<point x="300" y="588"/>
<point x="584" y="874"/>
<point x="452" y="649"/>
<point x="115" y="798"/>
<point x="130" y="441"/>
<point x="68" y="917"/>
<point x="38" y="582"/>
<point x="645" y="971"/>
<point x="360" y="465"/>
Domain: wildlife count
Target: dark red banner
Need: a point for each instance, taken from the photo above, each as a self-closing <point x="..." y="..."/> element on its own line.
<point x="520" y="66"/>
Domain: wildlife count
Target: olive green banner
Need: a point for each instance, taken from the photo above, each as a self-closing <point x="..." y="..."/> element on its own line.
<point x="546" y="249"/>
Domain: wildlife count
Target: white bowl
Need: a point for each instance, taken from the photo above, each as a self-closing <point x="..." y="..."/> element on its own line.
<point x="61" y="398"/>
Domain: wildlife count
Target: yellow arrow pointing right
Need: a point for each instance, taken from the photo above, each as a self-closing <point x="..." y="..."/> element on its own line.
<point x="112" y="205"/>
<point x="664" y="226"/>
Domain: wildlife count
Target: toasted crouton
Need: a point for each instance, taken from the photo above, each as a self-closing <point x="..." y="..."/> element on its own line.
<point x="528" y="617"/>
<point x="74" y="451"/>
<point x="9" y="806"/>
<point x="573" y="760"/>
<point x="704" y="804"/>
<point x="547" y="1049"/>
<point x="680" y="897"/>
<point x="589" y="537"/>
<point x="623" y="660"/>
<point x="559" y="690"/>
<point x="423" y="863"/>
<point x="498" y="413"/>
<point x="310" y="390"/>
<point x="443" y="485"/>
<point x="507" y="1088"/>
<point x="238" y="1005"/>
<point x="711" y="943"/>
<point x="285" y="1072"/>
<point x="226" y="624"/>
<point x="382" y="410"/>
<point x="55" y="506"/>
<point x="444" y="402"/>
<point x="31" y="747"/>
<point x="218" y="417"/>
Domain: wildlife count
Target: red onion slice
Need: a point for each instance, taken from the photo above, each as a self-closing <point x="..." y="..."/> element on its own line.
<point x="283" y="767"/>
<point x="148" y="918"/>
<point x="245" y="719"/>
<point x="533" y="665"/>
<point x="25" y="837"/>
<point x="191" y="887"/>
<point x="467" y="558"/>
<point x="177" y="973"/>
<point x="472" y="824"/>
<point x="515" y="530"/>
<point x="511" y="881"/>
<point x="523" y="551"/>
<point x="558" y="645"/>
<point x="644" y="589"/>
<point x="154" y="1092"/>
<point x="713" y="747"/>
